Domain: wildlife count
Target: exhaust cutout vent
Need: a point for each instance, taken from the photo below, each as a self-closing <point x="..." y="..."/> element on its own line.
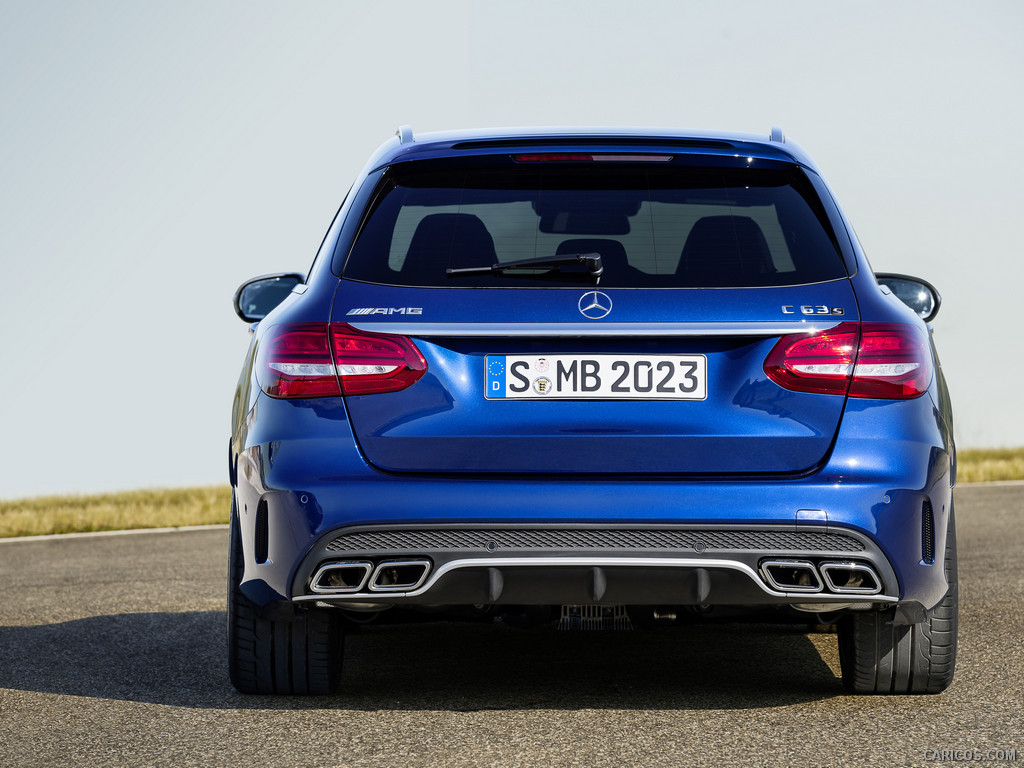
<point x="927" y="534"/>
<point x="262" y="543"/>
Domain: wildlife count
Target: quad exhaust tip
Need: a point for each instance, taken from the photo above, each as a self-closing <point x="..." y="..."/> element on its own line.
<point x="840" y="578"/>
<point x="340" y="578"/>
<point x="399" y="575"/>
<point x="850" y="578"/>
<point x="791" y="575"/>
<point x="351" y="576"/>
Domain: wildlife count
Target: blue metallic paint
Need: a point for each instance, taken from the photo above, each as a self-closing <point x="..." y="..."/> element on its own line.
<point x="302" y="457"/>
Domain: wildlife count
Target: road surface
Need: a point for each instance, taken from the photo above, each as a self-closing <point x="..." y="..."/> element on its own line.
<point x="112" y="652"/>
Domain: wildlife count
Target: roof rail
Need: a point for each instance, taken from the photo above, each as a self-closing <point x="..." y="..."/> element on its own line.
<point x="404" y="134"/>
<point x="776" y="135"/>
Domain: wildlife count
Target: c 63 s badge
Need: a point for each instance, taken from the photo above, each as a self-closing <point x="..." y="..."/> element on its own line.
<point x="812" y="309"/>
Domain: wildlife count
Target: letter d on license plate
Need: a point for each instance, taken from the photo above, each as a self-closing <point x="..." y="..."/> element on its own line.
<point x="598" y="377"/>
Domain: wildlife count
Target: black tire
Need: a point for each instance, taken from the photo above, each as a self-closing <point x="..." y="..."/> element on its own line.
<point x="877" y="656"/>
<point x="295" y="656"/>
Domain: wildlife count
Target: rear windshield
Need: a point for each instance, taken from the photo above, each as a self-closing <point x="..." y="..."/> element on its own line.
<point x="654" y="225"/>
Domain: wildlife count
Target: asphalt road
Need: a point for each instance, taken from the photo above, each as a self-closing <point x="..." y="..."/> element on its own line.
<point x="112" y="653"/>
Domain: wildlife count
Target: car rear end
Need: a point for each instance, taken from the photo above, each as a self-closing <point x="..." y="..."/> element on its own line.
<point x="730" y="414"/>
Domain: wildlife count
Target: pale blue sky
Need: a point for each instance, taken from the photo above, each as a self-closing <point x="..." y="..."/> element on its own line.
<point x="154" y="155"/>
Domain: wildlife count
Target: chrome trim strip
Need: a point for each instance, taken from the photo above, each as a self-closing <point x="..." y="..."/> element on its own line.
<point x="638" y="562"/>
<point x="780" y="328"/>
<point x="826" y="567"/>
<point x="374" y="587"/>
<point x="801" y="564"/>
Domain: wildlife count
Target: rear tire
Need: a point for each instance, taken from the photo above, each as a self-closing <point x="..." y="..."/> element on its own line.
<point x="295" y="656"/>
<point x="877" y="656"/>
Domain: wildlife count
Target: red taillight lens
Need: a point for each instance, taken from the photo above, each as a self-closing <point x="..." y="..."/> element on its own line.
<point x="553" y="157"/>
<point x="294" y="360"/>
<point x="820" y="363"/>
<point x="879" y="360"/>
<point x="895" y="362"/>
<point x="316" y="360"/>
<point x="576" y="157"/>
<point x="369" y="362"/>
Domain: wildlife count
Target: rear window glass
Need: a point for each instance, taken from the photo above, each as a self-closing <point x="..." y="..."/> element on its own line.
<point x="653" y="225"/>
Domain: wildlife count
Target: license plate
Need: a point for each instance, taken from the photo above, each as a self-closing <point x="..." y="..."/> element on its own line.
<point x="597" y="377"/>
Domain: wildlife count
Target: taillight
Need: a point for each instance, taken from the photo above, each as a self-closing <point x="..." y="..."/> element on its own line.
<point x="320" y="360"/>
<point x="554" y="157"/>
<point x="577" y="157"/>
<point x="294" y="360"/>
<point x="879" y="360"/>
<point x="372" y="362"/>
<point x="895" y="362"/>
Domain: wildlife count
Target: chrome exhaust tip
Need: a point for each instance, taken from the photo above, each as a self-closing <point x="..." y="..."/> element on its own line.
<point x="791" y="575"/>
<point x="851" y="578"/>
<point x="341" y="577"/>
<point x="399" y="575"/>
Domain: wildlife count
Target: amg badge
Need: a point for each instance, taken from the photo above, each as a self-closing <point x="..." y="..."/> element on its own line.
<point x="385" y="311"/>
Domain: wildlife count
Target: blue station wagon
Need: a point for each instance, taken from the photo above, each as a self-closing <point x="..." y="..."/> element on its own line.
<point x="595" y="379"/>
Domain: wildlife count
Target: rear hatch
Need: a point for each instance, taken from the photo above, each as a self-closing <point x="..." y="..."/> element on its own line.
<point x="655" y="367"/>
<point x="465" y="415"/>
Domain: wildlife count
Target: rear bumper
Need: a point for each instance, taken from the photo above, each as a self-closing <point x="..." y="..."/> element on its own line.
<point x="594" y="564"/>
<point x="313" y="491"/>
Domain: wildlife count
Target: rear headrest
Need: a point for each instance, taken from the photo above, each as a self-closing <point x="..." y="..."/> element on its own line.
<point x="724" y="251"/>
<point x="444" y="240"/>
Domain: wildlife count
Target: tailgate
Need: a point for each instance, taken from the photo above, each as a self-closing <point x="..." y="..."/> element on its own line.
<point x="523" y="380"/>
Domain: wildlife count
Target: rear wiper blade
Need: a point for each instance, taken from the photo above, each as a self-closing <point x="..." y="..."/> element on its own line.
<point x="592" y="261"/>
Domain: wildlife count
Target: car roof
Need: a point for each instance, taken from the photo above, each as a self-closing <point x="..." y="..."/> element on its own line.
<point x="406" y="145"/>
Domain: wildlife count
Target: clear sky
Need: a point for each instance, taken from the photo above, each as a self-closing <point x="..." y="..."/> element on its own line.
<point x="154" y="155"/>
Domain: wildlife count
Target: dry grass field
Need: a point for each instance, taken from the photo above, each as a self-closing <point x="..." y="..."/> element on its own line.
<point x="206" y="506"/>
<point x="115" y="511"/>
<point x="984" y="465"/>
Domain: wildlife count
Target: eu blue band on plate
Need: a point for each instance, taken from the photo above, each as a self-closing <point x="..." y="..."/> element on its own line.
<point x="496" y="376"/>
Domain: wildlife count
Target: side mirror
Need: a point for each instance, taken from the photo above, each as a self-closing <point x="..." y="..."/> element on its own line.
<point x="916" y="293"/>
<point x="256" y="297"/>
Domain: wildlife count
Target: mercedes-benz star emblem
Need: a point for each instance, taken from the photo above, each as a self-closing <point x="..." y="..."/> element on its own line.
<point x="594" y="305"/>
